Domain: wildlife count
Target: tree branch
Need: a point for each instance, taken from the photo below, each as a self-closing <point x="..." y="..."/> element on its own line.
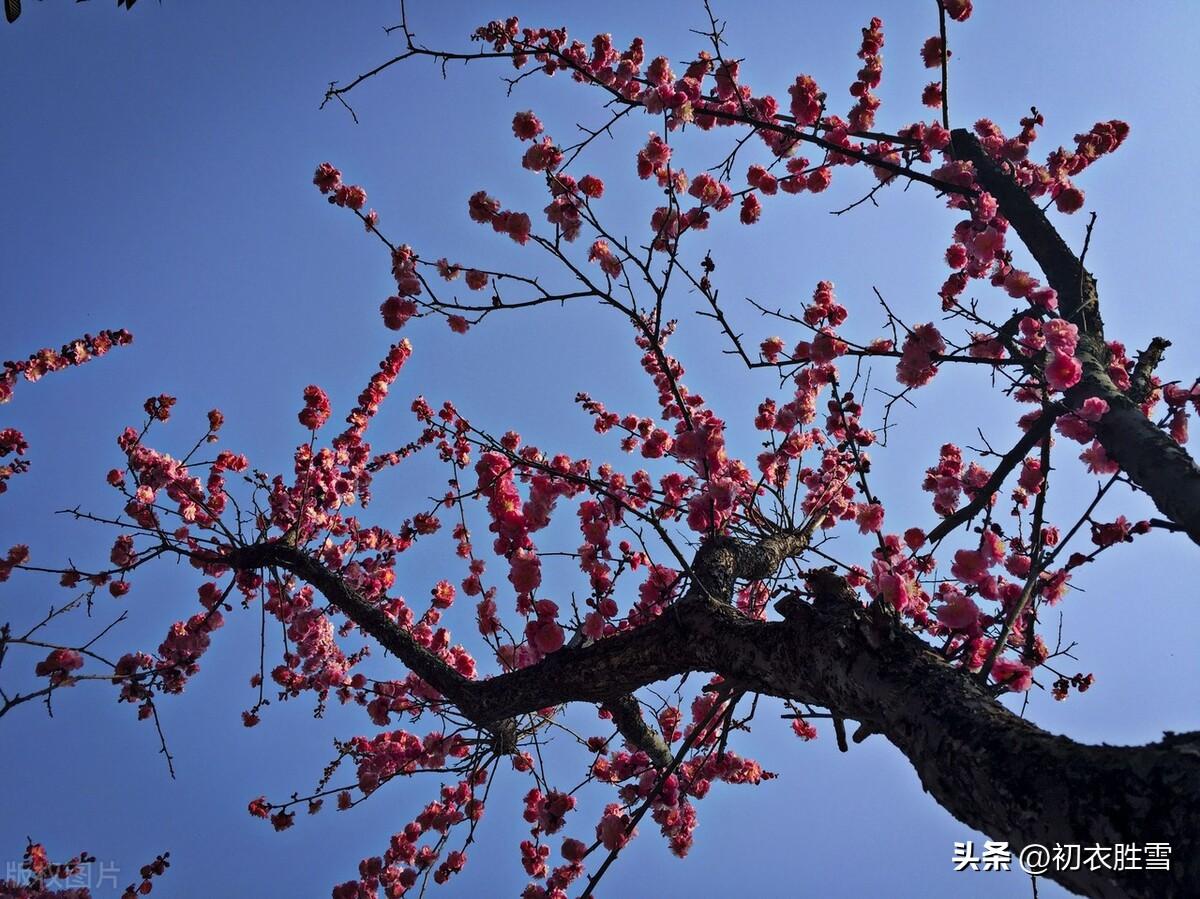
<point x="1011" y="460"/>
<point x="990" y="768"/>
<point x="627" y="716"/>
<point x="1150" y="458"/>
<point x="1140" y="384"/>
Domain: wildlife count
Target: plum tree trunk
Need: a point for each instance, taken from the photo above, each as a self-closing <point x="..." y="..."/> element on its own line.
<point x="993" y="770"/>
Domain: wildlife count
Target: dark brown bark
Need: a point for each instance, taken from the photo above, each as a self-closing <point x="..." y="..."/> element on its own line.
<point x="1150" y="458"/>
<point x="991" y="769"/>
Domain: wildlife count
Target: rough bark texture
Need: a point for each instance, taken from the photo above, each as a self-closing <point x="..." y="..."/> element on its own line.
<point x="991" y="769"/>
<point x="1150" y="458"/>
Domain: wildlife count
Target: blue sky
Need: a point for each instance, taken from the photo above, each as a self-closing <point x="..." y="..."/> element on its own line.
<point x="158" y="178"/>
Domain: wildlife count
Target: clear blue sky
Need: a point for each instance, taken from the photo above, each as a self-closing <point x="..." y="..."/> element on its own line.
<point x="158" y="178"/>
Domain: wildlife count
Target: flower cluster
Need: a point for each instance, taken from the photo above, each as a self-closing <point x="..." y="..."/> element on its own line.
<point x="329" y="181"/>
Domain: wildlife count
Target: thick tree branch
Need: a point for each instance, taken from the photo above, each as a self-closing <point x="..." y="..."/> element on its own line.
<point x="719" y="564"/>
<point x="990" y="768"/>
<point x="1077" y="295"/>
<point x="1150" y="458"/>
<point x="627" y="716"/>
<point x="993" y="770"/>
